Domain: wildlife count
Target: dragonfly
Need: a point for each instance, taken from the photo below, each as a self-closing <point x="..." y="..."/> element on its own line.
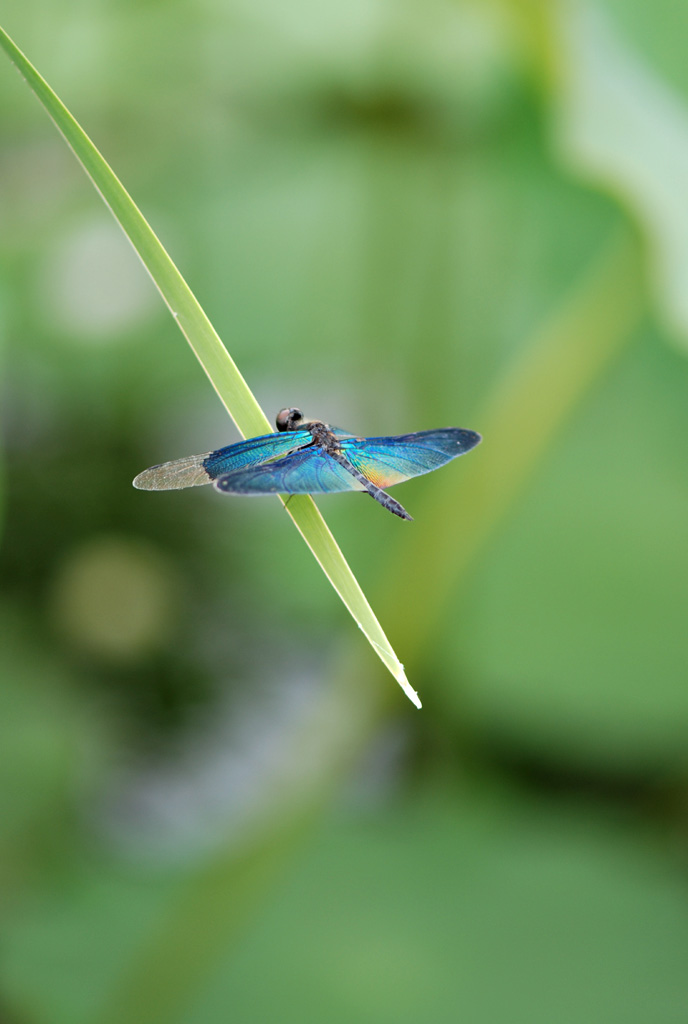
<point x="310" y="457"/>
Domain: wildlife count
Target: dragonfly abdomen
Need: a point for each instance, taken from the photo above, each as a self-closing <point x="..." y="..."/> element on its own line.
<point x="385" y="499"/>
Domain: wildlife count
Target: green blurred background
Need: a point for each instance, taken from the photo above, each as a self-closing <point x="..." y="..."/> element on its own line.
<point x="215" y="805"/>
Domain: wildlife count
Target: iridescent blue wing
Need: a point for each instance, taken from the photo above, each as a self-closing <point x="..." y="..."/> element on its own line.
<point x="389" y="460"/>
<point x="203" y="469"/>
<point x="382" y="460"/>
<point x="308" y="471"/>
<point x="254" y="451"/>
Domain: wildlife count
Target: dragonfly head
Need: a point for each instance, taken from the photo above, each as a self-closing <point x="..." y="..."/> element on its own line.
<point x="289" y="419"/>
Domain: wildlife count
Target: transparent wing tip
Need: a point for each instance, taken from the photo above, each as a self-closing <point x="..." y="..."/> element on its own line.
<point x="173" y="476"/>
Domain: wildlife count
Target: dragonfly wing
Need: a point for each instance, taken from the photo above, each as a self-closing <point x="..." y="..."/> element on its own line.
<point x="309" y="471"/>
<point x="286" y="462"/>
<point x="203" y="469"/>
<point x="254" y="451"/>
<point x="170" y="476"/>
<point x="389" y="460"/>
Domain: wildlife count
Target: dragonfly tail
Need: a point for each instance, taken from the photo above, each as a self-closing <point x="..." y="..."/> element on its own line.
<point x="388" y="502"/>
<point x="373" y="490"/>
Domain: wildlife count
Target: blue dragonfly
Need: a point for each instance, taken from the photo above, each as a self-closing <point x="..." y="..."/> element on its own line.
<point x="309" y="457"/>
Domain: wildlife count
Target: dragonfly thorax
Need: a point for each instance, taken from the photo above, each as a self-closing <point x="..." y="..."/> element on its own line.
<point x="322" y="436"/>
<point x="293" y="419"/>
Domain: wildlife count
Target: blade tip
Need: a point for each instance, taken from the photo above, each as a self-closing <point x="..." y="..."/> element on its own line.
<point x="408" y="690"/>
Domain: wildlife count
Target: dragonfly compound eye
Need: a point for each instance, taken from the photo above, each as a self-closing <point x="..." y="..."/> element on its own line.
<point x="286" y="418"/>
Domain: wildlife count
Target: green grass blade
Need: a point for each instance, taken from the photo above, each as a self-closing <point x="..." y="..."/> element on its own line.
<point x="211" y="353"/>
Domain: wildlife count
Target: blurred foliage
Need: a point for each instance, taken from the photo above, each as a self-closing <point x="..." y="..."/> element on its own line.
<point x="397" y="217"/>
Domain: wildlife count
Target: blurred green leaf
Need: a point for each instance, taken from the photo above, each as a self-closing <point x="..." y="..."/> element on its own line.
<point x="53" y="752"/>
<point x="573" y="636"/>
<point x="540" y="390"/>
<point x="457" y="900"/>
<point x="620" y="125"/>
